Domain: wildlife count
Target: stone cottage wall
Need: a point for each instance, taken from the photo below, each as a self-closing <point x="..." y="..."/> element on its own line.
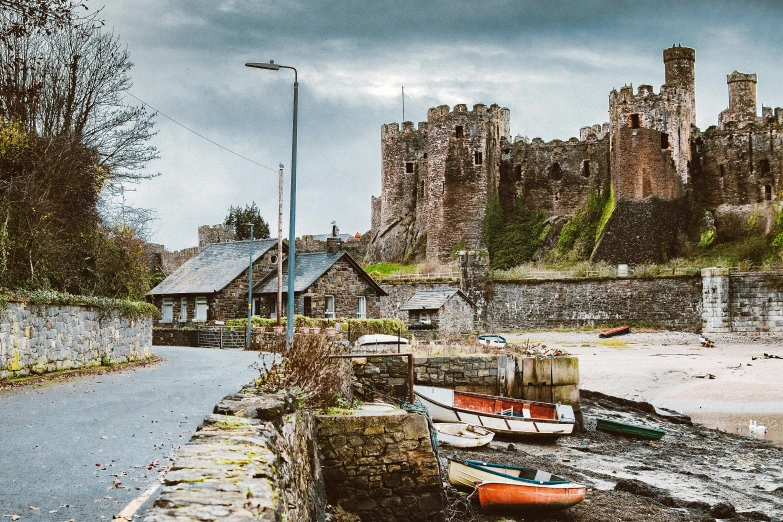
<point x="456" y="316"/>
<point x="345" y="284"/>
<point x="39" y="339"/>
<point x="665" y="302"/>
<point x="381" y="467"/>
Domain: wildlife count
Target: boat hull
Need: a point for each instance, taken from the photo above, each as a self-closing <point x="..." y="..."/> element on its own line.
<point x="439" y="402"/>
<point x="631" y="430"/>
<point x="499" y="496"/>
<point x="461" y="435"/>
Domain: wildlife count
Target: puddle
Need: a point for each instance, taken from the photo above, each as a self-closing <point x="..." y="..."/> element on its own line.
<point x="739" y="423"/>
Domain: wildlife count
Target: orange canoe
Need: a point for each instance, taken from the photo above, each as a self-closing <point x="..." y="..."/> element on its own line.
<point x="497" y="496"/>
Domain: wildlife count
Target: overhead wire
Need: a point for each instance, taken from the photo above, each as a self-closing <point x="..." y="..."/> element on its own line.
<point x="199" y="134"/>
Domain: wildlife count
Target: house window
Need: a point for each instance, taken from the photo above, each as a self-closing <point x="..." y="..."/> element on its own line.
<point x="201" y="309"/>
<point x="256" y="306"/>
<point x="478" y="158"/>
<point x="308" y="306"/>
<point x="586" y="169"/>
<point x="634" y="121"/>
<point x="425" y="317"/>
<point x="329" y="302"/>
<point x="273" y="259"/>
<point x="361" y="307"/>
<point x="167" y="311"/>
<point x="409" y="167"/>
<point x="665" y="140"/>
<point x="183" y="310"/>
<point x="458" y="131"/>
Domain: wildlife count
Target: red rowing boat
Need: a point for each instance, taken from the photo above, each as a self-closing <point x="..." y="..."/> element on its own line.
<point x="500" y="496"/>
<point x="620" y="330"/>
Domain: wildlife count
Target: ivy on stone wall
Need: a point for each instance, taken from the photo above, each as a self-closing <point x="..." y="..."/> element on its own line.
<point x="513" y="237"/>
<point x="106" y="307"/>
<point x="579" y="235"/>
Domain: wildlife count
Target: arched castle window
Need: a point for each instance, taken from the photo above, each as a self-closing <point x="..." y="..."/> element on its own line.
<point x="634" y="121"/>
<point x="409" y="167"/>
<point x="586" y="169"/>
<point x="478" y="158"/>
<point x="665" y="140"/>
<point x="458" y="132"/>
<point x="555" y="173"/>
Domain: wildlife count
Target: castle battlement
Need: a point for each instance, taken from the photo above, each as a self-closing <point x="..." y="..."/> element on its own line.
<point x="679" y="53"/>
<point x="737" y="76"/>
<point x="393" y="129"/>
<point x="479" y="110"/>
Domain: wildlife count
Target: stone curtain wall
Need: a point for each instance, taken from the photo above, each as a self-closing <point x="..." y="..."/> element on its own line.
<point x="174" y="337"/>
<point x="742" y="301"/>
<point x="381" y="467"/>
<point x="254" y="459"/>
<point x="667" y="302"/>
<point x="40" y="339"/>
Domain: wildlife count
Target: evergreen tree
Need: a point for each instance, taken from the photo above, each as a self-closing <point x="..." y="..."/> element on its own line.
<point x="239" y="217"/>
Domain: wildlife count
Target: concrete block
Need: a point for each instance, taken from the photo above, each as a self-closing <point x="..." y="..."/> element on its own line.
<point x="565" y="370"/>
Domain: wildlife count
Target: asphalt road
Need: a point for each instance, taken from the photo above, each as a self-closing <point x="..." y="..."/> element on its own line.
<point x="84" y="448"/>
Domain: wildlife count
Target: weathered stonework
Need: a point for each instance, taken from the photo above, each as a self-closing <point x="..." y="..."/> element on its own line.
<point x="381" y="467"/>
<point x="39" y="339"/>
<point x="742" y="301"/>
<point x="174" y="337"/>
<point x="665" y="302"/>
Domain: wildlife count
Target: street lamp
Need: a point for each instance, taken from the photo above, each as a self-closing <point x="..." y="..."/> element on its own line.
<point x="289" y="330"/>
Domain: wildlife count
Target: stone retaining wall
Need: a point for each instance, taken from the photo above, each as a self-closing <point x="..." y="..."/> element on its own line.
<point x="673" y="303"/>
<point x="381" y="467"/>
<point x="38" y="339"/>
<point x="254" y="459"/>
<point x="174" y="337"/>
<point x="742" y="301"/>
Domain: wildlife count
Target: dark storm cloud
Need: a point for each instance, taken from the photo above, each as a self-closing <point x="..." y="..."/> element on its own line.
<point x="552" y="63"/>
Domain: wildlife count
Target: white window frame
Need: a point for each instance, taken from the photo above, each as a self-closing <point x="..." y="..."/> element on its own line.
<point x="329" y="307"/>
<point x="201" y="305"/>
<point x="273" y="308"/>
<point x="167" y="310"/>
<point x="256" y="306"/>
<point x="361" y="307"/>
<point x="183" y="310"/>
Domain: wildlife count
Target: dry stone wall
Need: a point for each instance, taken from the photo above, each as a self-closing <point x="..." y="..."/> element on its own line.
<point x="742" y="301"/>
<point x="38" y="339"/>
<point x="381" y="467"/>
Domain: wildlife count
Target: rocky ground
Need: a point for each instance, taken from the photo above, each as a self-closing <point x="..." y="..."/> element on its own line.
<point x="693" y="473"/>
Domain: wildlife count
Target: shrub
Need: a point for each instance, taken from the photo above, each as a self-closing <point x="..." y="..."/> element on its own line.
<point x="513" y="237"/>
<point x="307" y="368"/>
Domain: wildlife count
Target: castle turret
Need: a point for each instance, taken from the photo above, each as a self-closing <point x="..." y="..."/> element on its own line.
<point x="679" y="62"/>
<point x="742" y="96"/>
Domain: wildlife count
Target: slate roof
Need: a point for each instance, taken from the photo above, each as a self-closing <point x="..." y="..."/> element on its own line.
<point x="309" y="268"/>
<point x="214" y="267"/>
<point x="433" y="299"/>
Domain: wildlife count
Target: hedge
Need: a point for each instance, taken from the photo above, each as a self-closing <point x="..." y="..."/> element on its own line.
<point x="358" y="327"/>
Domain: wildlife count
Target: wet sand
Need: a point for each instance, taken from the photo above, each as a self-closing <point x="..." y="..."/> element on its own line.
<point x="694" y="472"/>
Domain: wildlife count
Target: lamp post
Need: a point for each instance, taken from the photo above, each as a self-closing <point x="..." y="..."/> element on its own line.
<point x="289" y="330"/>
<point x="249" y="289"/>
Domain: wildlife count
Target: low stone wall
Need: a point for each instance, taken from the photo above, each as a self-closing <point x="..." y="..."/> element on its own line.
<point x="381" y="467"/>
<point x="673" y="303"/>
<point x="742" y="301"/>
<point x="174" y="337"/>
<point x="38" y="339"/>
<point x="254" y="459"/>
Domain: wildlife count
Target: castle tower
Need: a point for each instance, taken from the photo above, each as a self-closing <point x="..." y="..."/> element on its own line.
<point x="464" y="154"/>
<point x="403" y="164"/>
<point x="742" y="96"/>
<point x="679" y="63"/>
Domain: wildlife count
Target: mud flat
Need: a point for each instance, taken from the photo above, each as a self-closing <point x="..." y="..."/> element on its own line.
<point x="692" y="473"/>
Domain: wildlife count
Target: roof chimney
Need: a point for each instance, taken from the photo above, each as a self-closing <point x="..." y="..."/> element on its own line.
<point x="334" y="245"/>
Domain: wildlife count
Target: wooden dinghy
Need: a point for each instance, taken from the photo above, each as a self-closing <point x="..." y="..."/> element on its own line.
<point x="620" y="330"/>
<point x="499" y="414"/>
<point x="495" y="496"/>
<point x="461" y="435"/>
<point x="632" y="430"/>
<point x="467" y="473"/>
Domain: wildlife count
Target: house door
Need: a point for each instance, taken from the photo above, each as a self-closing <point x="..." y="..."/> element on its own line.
<point x="308" y="306"/>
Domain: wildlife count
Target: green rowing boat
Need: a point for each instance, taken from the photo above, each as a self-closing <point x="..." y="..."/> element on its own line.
<point x="633" y="430"/>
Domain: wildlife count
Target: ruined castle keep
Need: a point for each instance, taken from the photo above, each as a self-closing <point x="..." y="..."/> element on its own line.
<point x="438" y="177"/>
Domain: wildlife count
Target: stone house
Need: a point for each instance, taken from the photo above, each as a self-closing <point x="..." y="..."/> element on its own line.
<point x="212" y="285"/>
<point x="327" y="284"/>
<point x="448" y="310"/>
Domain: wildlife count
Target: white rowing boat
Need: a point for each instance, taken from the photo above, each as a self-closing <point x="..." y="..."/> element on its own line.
<point x="461" y="435"/>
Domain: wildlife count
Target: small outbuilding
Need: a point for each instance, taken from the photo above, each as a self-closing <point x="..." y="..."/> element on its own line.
<point x="447" y="310"/>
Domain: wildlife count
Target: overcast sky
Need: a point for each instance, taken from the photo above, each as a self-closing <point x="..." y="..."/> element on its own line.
<point x="553" y="64"/>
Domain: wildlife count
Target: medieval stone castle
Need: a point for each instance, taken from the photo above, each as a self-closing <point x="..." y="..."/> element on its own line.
<point x="437" y="178"/>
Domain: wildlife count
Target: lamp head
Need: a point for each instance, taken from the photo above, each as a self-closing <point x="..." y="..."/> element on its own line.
<point x="272" y="66"/>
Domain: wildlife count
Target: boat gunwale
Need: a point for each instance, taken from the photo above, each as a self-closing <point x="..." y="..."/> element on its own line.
<point x="497" y="415"/>
<point x="475" y="464"/>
